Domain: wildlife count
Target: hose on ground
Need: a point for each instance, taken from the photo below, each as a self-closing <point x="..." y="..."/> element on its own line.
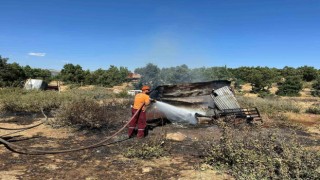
<point x="25" y="128"/>
<point x="29" y="151"/>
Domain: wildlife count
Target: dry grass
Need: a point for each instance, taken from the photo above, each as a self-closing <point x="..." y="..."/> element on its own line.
<point x="273" y="89"/>
<point x="302" y="118"/>
<point x="306" y="92"/>
<point x="246" y="87"/>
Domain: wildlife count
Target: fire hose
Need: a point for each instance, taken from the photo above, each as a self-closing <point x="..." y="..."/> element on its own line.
<point x="25" y="128"/>
<point x="41" y="152"/>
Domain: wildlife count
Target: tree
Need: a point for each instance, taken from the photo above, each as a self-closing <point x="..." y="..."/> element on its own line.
<point x="308" y="73"/>
<point x="88" y="77"/>
<point x="175" y="75"/>
<point x="218" y="73"/>
<point x="150" y="75"/>
<point x="10" y="74"/>
<point x="109" y="78"/>
<point x="291" y="87"/>
<point x="288" y="71"/>
<point x="261" y="78"/>
<point x="37" y="73"/>
<point x="72" y="73"/>
<point x="316" y="87"/>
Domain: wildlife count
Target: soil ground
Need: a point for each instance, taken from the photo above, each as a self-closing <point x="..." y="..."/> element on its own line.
<point x="183" y="160"/>
<point x="105" y="162"/>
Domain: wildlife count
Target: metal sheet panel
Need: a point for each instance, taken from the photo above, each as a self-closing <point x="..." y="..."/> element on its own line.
<point x="225" y="99"/>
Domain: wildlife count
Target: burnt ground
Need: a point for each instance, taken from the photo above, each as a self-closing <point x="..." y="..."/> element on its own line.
<point x="182" y="160"/>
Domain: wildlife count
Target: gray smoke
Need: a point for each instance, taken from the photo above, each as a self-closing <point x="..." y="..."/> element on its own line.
<point x="176" y="114"/>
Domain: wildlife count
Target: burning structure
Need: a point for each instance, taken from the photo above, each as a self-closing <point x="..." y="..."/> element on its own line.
<point x="199" y="102"/>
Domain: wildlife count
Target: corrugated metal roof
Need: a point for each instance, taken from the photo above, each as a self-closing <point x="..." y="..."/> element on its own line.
<point x="225" y="99"/>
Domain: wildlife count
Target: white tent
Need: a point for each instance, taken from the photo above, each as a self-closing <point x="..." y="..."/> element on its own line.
<point x="37" y="84"/>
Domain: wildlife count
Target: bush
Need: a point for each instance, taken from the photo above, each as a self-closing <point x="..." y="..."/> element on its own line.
<point x="149" y="149"/>
<point x="314" y="109"/>
<point x="20" y="100"/>
<point x="291" y="87"/>
<point x="88" y="113"/>
<point x="261" y="155"/>
<point x="316" y="87"/>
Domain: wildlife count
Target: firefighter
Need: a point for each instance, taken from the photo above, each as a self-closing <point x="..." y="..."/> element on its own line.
<point x="141" y="118"/>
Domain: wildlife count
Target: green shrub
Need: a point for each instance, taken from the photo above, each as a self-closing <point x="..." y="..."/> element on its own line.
<point x="291" y="87"/>
<point x="316" y="87"/>
<point x="20" y="100"/>
<point x="148" y="149"/>
<point x="261" y="155"/>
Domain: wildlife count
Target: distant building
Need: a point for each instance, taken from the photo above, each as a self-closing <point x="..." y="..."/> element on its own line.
<point x="134" y="77"/>
<point x="134" y="92"/>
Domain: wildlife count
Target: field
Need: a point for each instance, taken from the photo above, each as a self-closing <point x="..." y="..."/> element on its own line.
<point x="285" y="146"/>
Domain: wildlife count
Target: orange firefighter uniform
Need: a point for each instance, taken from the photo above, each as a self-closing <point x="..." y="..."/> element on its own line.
<point x="141" y="119"/>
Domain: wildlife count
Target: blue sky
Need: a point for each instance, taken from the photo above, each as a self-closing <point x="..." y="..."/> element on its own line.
<point x="131" y="33"/>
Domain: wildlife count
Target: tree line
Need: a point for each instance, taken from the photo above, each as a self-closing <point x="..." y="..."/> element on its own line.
<point x="14" y="75"/>
<point x="290" y="80"/>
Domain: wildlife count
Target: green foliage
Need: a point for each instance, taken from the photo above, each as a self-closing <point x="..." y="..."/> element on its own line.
<point x="238" y="84"/>
<point x="20" y="100"/>
<point x="316" y="87"/>
<point x="72" y="74"/>
<point x="107" y="78"/>
<point x="14" y="75"/>
<point x="110" y="77"/>
<point x="147" y="150"/>
<point x="261" y="78"/>
<point x="308" y="73"/>
<point x="288" y="71"/>
<point x="10" y="74"/>
<point x="37" y="73"/>
<point x="150" y="75"/>
<point x="247" y="154"/>
<point x="291" y="87"/>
